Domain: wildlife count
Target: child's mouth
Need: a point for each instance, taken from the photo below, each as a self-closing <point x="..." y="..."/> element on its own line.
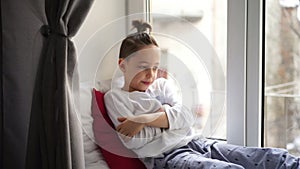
<point x="146" y="83"/>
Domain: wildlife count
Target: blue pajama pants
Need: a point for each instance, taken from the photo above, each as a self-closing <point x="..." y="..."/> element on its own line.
<point x="205" y="154"/>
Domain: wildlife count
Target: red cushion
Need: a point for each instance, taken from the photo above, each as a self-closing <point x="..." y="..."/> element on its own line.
<point x="114" y="152"/>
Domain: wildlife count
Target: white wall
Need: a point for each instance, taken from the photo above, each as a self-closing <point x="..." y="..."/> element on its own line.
<point x="100" y="36"/>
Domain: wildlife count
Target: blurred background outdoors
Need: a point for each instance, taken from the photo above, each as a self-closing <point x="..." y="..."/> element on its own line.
<point x="210" y="19"/>
<point x="282" y="61"/>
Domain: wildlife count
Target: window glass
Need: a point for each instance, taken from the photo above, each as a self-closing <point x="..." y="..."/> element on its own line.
<point x="282" y="61"/>
<point x="193" y="37"/>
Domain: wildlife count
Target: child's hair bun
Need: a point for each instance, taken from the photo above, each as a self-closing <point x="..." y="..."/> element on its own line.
<point x="142" y="26"/>
<point x="138" y="40"/>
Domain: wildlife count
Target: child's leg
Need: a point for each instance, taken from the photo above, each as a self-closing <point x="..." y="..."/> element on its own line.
<point x="187" y="158"/>
<point x="252" y="157"/>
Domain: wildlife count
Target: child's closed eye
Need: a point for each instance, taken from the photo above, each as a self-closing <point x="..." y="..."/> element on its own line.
<point x="143" y="67"/>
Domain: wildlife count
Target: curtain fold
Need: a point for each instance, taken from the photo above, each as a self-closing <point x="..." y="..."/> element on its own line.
<point x="55" y="138"/>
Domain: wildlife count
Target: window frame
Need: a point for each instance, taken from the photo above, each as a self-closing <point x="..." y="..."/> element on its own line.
<point x="244" y="73"/>
<point x="244" y="68"/>
<point x="255" y="74"/>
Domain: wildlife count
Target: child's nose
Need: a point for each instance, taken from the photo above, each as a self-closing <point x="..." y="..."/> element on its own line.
<point x="151" y="72"/>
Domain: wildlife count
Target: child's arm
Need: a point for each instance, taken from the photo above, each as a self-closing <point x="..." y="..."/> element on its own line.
<point x="132" y="125"/>
<point x="116" y="108"/>
<point x="159" y="119"/>
<point x="179" y="116"/>
<point x="156" y="119"/>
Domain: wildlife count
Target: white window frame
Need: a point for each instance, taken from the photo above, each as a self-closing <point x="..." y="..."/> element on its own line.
<point x="254" y="74"/>
<point x="244" y="72"/>
<point x="244" y="68"/>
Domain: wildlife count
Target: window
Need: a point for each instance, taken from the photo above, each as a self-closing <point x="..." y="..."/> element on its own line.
<point x="282" y="70"/>
<point x="193" y="37"/>
<point x="218" y="43"/>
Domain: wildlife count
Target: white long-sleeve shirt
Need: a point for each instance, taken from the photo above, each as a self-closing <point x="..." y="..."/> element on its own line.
<point x="152" y="141"/>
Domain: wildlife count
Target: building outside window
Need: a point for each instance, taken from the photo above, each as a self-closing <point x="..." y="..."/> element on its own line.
<point x="282" y="75"/>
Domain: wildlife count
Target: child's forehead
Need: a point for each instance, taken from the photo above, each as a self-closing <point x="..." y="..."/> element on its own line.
<point x="148" y="50"/>
<point x="146" y="54"/>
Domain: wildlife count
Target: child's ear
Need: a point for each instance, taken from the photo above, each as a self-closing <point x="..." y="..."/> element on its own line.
<point x="122" y="64"/>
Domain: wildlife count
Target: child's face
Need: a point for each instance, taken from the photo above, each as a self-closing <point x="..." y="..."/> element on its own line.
<point x="140" y="69"/>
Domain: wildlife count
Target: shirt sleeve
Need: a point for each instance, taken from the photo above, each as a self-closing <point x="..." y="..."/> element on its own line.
<point x="179" y="116"/>
<point x="116" y="107"/>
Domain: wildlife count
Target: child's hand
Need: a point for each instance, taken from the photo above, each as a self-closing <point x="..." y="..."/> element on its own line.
<point x="129" y="128"/>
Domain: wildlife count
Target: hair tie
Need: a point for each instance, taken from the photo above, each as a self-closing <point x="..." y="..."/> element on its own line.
<point x="141" y="26"/>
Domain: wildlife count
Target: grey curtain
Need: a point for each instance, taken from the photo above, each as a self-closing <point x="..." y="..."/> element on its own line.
<point x="54" y="138"/>
<point x="20" y="53"/>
